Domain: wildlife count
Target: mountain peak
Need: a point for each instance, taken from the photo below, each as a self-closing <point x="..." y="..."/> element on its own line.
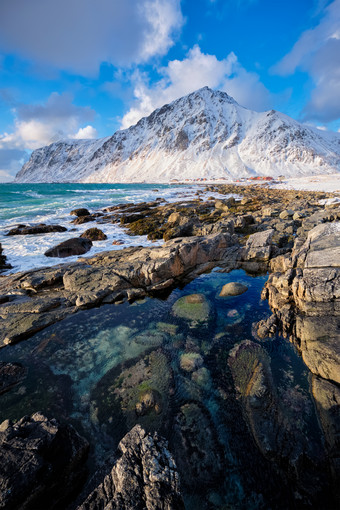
<point x="203" y="135"/>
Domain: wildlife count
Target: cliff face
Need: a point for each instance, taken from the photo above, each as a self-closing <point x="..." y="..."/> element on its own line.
<point x="204" y="134"/>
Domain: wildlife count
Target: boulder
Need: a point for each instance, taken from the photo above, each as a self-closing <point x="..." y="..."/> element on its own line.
<point x="194" y="307"/>
<point x="143" y="477"/>
<point x="80" y="212"/>
<point x="35" y="229"/>
<point x="94" y="234"/>
<point x="74" y="246"/>
<point x="233" y="289"/>
<point x="42" y="463"/>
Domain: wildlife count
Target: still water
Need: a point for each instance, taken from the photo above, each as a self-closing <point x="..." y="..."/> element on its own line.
<point x="237" y="411"/>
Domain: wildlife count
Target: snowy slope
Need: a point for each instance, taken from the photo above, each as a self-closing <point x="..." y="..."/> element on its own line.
<point x="204" y="134"/>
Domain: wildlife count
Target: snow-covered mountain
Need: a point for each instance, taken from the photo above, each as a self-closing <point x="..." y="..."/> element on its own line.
<point x="206" y="134"/>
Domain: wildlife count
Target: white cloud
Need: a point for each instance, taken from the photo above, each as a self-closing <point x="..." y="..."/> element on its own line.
<point x="78" y="35"/>
<point x="180" y="77"/>
<point x="41" y="124"/>
<point x="318" y="53"/>
<point x="85" y="133"/>
<point x="11" y="160"/>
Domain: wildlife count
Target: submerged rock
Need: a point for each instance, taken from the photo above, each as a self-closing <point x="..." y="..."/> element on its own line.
<point x="194" y="307"/>
<point x="233" y="289"/>
<point x="196" y="447"/>
<point x="10" y="375"/>
<point x="134" y="392"/>
<point x="42" y="463"/>
<point x="144" y="477"/>
<point x="190" y="361"/>
<point x="75" y="246"/>
<point x="278" y="420"/>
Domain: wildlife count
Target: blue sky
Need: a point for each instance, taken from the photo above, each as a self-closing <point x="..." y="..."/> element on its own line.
<point x="83" y="69"/>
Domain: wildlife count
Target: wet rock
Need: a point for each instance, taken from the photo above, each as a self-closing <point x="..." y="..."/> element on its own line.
<point x="42" y="462"/>
<point x="233" y="289"/>
<point x="94" y="234"/>
<point x="143" y="477"/>
<point x="3" y="264"/>
<point x="80" y="212"/>
<point x="10" y="375"/>
<point x="83" y="219"/>
<point x="36" y="229"/>
<point x="74" y="246"/>
<point x="194" y="307"/>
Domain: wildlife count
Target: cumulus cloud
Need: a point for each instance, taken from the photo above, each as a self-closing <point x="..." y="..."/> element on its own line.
<point x="11" y="160"/>
<point x="41" y="124"/>
<point x="180" y="77"/>
<point x="317" y="52"/>
<point x="86" y="132"/>
<point x="78" y="35"/>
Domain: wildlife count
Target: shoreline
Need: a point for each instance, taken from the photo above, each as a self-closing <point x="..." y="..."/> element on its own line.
<point x="291" y="234"/>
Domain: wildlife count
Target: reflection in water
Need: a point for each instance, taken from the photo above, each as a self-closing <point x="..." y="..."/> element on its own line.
<point x="237" y="411"/>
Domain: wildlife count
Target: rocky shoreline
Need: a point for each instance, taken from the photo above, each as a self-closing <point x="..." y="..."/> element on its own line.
<point x="290" y="234"/>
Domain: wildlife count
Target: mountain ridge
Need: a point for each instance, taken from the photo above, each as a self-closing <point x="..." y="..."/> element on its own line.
<point x="205" y="134"/>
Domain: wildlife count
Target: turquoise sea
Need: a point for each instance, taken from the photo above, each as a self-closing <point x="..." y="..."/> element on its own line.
<point x="52" y="203"/>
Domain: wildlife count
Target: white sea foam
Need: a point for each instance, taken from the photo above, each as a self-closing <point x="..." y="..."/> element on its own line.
<point x="26" y="252"/>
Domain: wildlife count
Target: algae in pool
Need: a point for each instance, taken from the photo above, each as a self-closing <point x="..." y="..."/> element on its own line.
<point x="237" y="412"/>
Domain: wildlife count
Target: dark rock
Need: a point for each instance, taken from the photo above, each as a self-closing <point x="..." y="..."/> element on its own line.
<point x="144" y="477"/>
<point x="196" y="447"/>
<point x="80" y="212"/>
<point x="10" y="375"/>
<point x="3" y="264"/>
<point x="74" y="246"/>
<point x="94" y="234"/>
<point x="42" y="463"/>
<point x="36" y="229"/>
<point x="83" y="219"/>
<point x="279" y="430"/>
